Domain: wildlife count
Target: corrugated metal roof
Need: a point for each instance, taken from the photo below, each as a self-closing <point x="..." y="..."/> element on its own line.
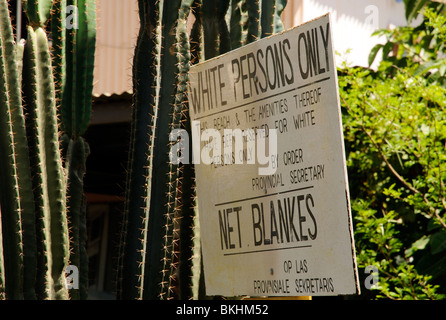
<point x="117" y="29"/>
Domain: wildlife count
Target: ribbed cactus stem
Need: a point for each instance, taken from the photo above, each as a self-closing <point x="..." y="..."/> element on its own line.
<point x="74" y="53"/>
<point x="54" y="171"/>
<point x="58" y="49"/>
<point x="50" y="180"/>
<point x="209" y="10"/>
<point x="2" y="264"/>
<point x="38" y="11"/>
<point x="189" y="270"/>
<point x="235" y="25"/>
<point x="15" y="176"/>
<point x="224" y="36"/>
<point x="162" y="201"/>
<point x="267" y="17"/>
<point x="160" y="213"/>
<point x="254" y="31"/>
<point x="85" y="51"/>
<point x="134" y="234"/>
<point x="76" y="160"/>
<point x="196" y="43"/>
<point x="184" y="208"/>
<point x="174" y="207"/>
<point x="12" y="261"/>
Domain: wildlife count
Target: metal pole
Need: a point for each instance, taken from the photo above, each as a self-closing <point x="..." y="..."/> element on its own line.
<point x="19" y="21"/>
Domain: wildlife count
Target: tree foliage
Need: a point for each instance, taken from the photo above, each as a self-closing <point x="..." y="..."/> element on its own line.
<point x="395" y="134"/>
<point x="422" y="47"/>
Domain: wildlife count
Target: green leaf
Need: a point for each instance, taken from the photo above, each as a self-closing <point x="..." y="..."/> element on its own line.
<point x="374" y="52"/>
<point x="387" y="48"/>
<point x="413" y="8"/>
<point x="420" y="244"/>
<point x="429" y="66"/>
<point x="438" y="242"/>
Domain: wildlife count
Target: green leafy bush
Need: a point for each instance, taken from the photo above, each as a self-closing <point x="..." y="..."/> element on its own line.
<point x="395" y="133"/>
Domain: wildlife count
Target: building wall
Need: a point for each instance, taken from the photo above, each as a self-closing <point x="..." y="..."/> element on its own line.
<point x="353" y="23"/>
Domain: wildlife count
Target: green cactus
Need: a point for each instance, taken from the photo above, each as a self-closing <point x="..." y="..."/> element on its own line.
<point x="74" y="43"/>
<point x="160" y="249"/>
<point x="15" y="174"/>
<point x="162" y="184"/>
<point x="2" y="265"/>
<point x="224" y="36"/>
<point x="145" y="96"/>
<point x="267" y="18"/>
<point x="42" y="217"/>
<point x="149" y="260"/>
<point x="50" y="180"/>
<point x="235" y="25"/>
<point x="254" y="30"/>
<point x="209" y="10"/>
<point x="38" y="11"/>
<point x="77" y="152"/>
<point x="49" y="177"/>
<point x="35" y="240"/>
<point x="196" y="43"/>
<point x="74" y="48"/>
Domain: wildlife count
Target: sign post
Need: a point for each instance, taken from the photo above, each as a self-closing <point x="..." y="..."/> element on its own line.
<point x="270" y="165"/>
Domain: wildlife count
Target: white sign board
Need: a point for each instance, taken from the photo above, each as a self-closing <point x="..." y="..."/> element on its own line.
<point x="271" y="175"/>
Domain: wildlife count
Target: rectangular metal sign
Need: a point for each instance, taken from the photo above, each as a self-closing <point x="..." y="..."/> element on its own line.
<point x="272" y="187"/>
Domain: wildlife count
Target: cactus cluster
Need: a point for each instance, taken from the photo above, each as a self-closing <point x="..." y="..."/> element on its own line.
<point x="40" y="203"/>
<point x="160" y="252"/>
<point x="45" y="107"/>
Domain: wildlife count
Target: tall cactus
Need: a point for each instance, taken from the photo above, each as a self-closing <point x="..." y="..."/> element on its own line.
<point x="20" y="249"/>
<point x="159" y="235"/>
<point x="50" y="180"/>
<point x="155" y="115"/>
<point x="74" y="43"/>
<point x="15" y="175"/>
<point x="49" y="177"/>
<point x="145" y="95"/>
<point x="35" y="240"/>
